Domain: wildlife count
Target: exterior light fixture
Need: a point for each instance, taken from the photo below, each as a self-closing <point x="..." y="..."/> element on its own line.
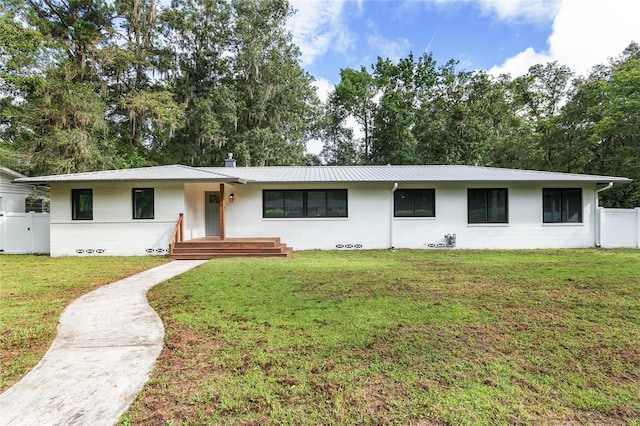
<point x="232" y="197"/>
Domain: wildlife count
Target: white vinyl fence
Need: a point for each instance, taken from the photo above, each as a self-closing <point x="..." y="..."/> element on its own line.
<point x="620" y="227"/>
<point x="23" y="233"/>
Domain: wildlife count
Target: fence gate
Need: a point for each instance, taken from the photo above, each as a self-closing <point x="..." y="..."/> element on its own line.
<point x="620" y="227"/>
<point x="24" y="233"/>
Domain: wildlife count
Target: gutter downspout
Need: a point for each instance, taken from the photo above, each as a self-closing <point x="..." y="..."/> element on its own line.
<point x="393" y="190"/>
<point x="598" y="215"/>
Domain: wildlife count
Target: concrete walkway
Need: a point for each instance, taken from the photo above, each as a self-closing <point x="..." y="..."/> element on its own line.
<point x="107" y="343"/>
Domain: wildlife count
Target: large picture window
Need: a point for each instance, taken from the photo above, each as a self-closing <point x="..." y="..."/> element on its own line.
<point x="487" y="205"/>
<point x="304" y="203"/>
<point x="82" y="204"/>
<point x="142" y="203"/>
<point x="414" y="203"/>
<point x="562" y="205"/>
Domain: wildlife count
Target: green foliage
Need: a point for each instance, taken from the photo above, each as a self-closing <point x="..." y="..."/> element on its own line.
<point x="355" y="96"/>
<point x="403" y="87"/>
<point x="61" y="126"/>
<point x="88" y="85"/>
<point x="275" y="101"/>
<point x="339" y="148"/>
<point x="76" y="26"/>
<point x="127" y="84"/>
<point x="411" y="112"/>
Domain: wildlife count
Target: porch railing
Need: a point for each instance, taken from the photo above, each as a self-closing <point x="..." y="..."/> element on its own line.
<point x="178" y="234"/>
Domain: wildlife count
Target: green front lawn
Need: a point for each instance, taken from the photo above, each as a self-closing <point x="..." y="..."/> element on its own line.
<point x="34" y="290"/>
<point x="414" y="337"/>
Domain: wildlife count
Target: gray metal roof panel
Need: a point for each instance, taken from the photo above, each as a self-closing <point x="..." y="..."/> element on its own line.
<point x="321" y="174"/>
<point x="311" y="174"/>
<point x="158" y="173"/>
<point x="11" y="173"/>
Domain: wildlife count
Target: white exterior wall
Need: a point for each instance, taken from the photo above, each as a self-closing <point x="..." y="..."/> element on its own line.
<point x="367" y="223"/>
<point x="370" y="223"/>
<point x="12" y="195"/>
<point x="113" y="232"/>
<point x="524" y="230"/>
<point x="370" y="217"/>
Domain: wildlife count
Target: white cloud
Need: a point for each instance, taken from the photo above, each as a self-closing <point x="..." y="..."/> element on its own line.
<point x="392" y="49"/>
<point x="323" y="88"/>
<point x="318" y="26"/>
<point x="589" y="32"/>
<point x="585" y="33"/>
<point x="508" y="10"/>
<point x="519" y="65"/>
<point x="529" y="10"/>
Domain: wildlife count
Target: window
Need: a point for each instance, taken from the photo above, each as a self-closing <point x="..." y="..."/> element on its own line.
<point x="142" y="203"/>
<point x="562" y="205"/>
<point x="414" y="203"/>
<point x="487" y="206"/>
<point x="82" y="204"/>
<point x="304" y="203"/>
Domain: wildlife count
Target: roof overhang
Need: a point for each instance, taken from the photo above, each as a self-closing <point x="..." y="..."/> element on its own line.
<point x="174" y="173"/>
<point x="296" y="175"/>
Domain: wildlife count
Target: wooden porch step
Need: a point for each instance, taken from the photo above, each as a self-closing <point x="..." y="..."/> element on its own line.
<point x="236" y="243"/>
<point x="209" y="248"/>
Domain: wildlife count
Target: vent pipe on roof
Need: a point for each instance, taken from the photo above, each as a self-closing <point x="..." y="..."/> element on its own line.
<point x="229" y="161"/>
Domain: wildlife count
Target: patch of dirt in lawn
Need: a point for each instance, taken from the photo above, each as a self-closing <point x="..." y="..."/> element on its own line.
<point x="611" y="418"/>
<point x="172" y="394"/>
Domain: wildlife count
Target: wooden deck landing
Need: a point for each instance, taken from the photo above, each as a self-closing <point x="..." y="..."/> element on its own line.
<point x="210" y="247"/>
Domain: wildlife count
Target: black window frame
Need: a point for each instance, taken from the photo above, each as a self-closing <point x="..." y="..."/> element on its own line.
<point x="563" y="194"/>
<point x="303" y="210"/>
<point x="487" y="207"/>
<point x="410" y="193"/>
<point x="134" y="203"/>
<point x="76" y="194"/>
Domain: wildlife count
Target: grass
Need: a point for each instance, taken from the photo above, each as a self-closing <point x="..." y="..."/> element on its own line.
<point x="34" y="290"/>
<point x="413" y="337"/>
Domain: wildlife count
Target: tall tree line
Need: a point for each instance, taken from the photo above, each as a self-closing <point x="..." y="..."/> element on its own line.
<point x="98" y="84"/>
<point x="415" y="112"/>
<point x="92" y="84"/>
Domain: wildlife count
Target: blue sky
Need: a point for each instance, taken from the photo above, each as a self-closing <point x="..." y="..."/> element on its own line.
<point x="493" y="35"/>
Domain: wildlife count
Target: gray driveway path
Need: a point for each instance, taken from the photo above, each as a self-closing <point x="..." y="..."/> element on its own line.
<point x="107" y="343"/>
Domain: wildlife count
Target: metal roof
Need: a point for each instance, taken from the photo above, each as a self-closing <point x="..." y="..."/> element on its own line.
<point x="174" y="172"/>
<point x="11" y="173"/>
<point x="324" y="174"/>
<point x="308" y="174"/>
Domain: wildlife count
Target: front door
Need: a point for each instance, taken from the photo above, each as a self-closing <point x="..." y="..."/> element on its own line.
<point x="212" y="214"/>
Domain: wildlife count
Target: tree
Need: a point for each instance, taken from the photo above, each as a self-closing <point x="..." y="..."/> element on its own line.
<point x="54" y="117"/>
<point x="275" y="101"/>
<point x="142" y="109"/>
<point x="355" y="94"/>
<point x="76" y="26"/>
<point x="20" y="50"/>
<point x="454" y="125"/>
<point x="237" y="73"/>
<point x="198" y="35"/>
<point x="339" y="148"/>
<point x="61" y="128"/>
<point x="403" y="87"/>
<point x="542" y="92"/>
<point x="616" y="132"/>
